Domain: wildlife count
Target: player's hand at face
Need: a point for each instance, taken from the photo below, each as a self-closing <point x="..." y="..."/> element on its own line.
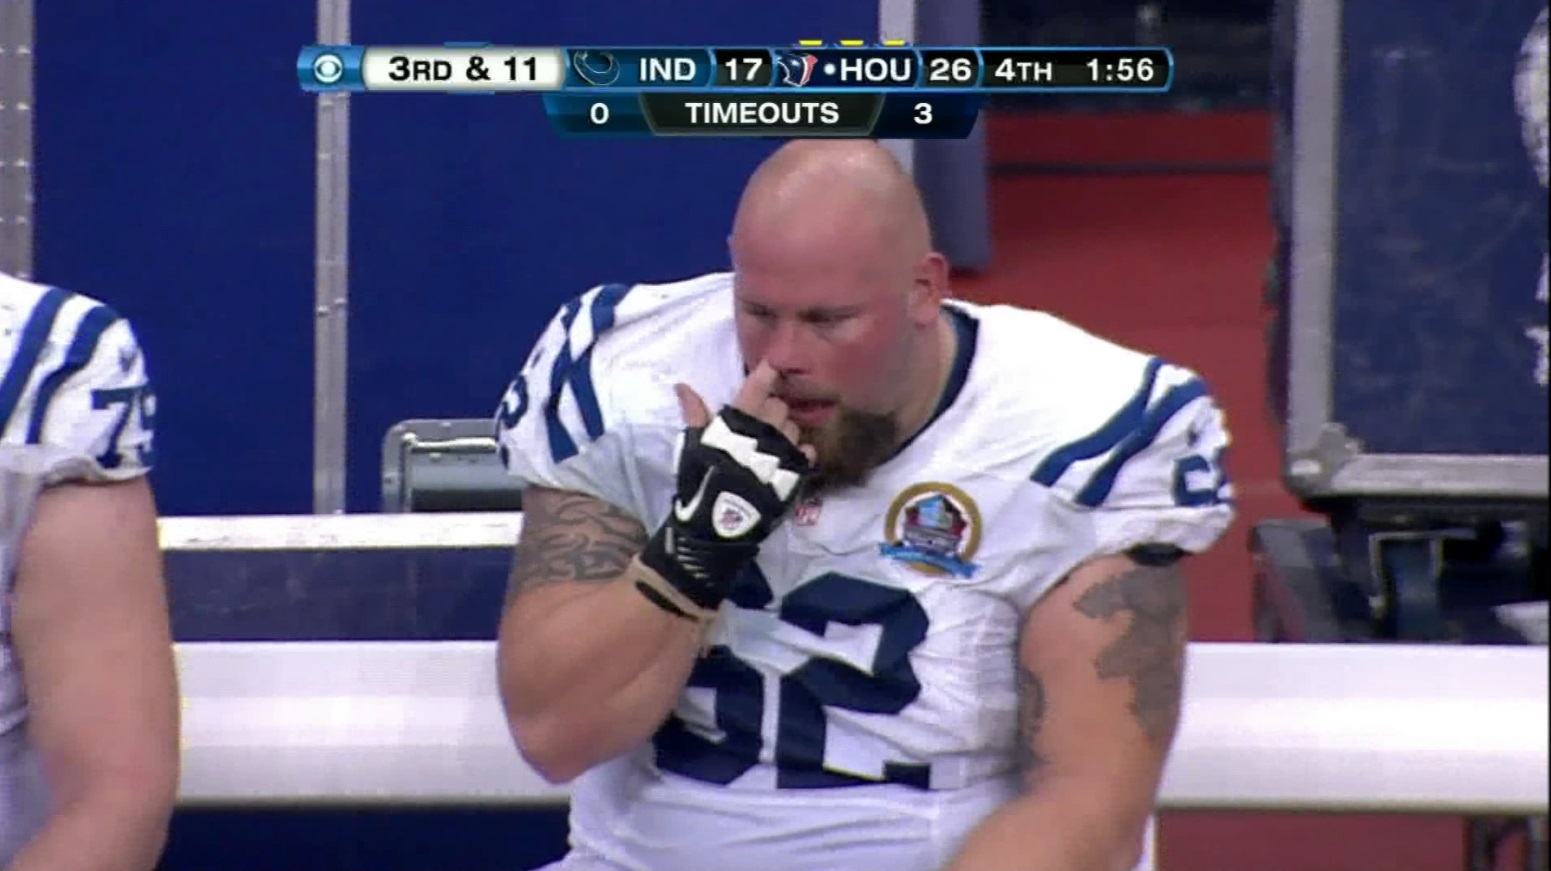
<point x="737" y="473"/>
<point x="756" y="398"/>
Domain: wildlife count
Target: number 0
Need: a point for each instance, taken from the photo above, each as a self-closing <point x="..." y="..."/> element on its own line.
<point x="923" y="113"/>
<point x="599" y="113"/>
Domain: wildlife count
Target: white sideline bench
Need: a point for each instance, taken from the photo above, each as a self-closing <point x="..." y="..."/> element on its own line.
<point x="1358" y="727"/>
<point x="1460" y="730"/>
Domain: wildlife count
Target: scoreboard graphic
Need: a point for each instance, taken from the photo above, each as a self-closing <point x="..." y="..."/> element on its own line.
<point x="844" y="89"/>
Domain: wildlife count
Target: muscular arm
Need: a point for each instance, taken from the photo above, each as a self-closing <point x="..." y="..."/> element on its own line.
<point x="588" y="667"/>
<point x="570" y="537"/>
<point x="92" y="634"/>
<point x="1100" y="669"/>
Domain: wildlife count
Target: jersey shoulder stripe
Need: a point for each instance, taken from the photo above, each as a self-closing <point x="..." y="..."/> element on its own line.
<point x="29" y="348"/>
<point x="75" y="394"/>
<point x="583" y="324"/>
<point x="82" y="350"/>
<point x="563" y="360"/>
<point x="1133" y="429"/>
<point x="589" y="408"/>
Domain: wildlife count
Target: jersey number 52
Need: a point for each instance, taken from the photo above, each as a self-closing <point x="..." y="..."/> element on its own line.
<point x="797" y="748"/>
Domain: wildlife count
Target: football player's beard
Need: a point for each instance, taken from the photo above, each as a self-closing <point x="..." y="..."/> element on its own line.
<point x="849" y="446"/>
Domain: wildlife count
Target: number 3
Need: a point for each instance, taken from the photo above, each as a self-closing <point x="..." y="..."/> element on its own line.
<point x="888" y="686"/>
<point x="923" y="113"/>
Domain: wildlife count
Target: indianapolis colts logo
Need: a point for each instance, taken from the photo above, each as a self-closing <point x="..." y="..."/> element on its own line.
<point x="796" y="69"/>
<point x="598" y="68"/>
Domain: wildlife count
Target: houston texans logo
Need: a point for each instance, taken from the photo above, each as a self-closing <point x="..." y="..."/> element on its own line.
<point x="796" y="69"/>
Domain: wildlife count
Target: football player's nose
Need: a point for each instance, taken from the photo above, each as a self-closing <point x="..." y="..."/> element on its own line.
<point x="785" y="348"/>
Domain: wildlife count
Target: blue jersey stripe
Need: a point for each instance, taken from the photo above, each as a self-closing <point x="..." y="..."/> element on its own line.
<point x="604" y="308"/>
<point x="576" y="372"/>
<point x="561" y="446"/>
<point x="88" y="334"/>
<point x="29" y="347"/>
<point x="1099" y="486"/>
<point x="1106" y="438"/>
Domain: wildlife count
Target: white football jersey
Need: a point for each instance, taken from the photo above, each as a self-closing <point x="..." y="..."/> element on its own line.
<point x="75" y="405"/>
<point x="857" y="708"/>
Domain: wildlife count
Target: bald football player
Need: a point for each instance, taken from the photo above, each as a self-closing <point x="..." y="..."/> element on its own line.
<point x="821" y="568"/>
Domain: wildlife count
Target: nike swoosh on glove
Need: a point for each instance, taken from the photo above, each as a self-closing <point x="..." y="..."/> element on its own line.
<point x="736" y="478"/>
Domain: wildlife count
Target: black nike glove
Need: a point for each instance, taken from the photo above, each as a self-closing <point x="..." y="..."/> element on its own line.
<point x="736" y="479"/>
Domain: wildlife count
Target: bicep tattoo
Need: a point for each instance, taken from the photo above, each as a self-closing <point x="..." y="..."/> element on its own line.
<point x="1031" y="719"/>
<point x="572" y="537"/>
<point x="1150" y="652"/>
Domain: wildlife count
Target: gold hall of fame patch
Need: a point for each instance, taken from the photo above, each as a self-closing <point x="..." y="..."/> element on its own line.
<point x="935" y="528"/>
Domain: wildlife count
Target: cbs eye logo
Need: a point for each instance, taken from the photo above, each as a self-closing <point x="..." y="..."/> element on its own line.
<point x="328" y="69"/>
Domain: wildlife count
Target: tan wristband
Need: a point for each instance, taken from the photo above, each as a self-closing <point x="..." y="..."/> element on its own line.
<point x="681" y="605"/>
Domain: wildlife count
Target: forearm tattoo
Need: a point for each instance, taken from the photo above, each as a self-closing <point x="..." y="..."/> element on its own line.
<point x="1150" y="653"/>
<point x="571" y="537"/>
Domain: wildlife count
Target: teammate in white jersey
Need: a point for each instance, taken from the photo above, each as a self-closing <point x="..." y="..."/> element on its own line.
<point x="823" y="571"/>
<point x="88" y="697"/>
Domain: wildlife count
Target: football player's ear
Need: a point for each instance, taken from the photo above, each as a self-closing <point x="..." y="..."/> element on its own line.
<point x="931" y="288"/>
<point x="692" y="407"/>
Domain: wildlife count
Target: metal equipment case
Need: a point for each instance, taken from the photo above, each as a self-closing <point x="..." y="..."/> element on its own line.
<point x="1408" y="363"/>
<point x="1412" y="217"/>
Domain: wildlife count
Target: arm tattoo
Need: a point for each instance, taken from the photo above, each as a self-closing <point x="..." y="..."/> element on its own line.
<point x="1031" y="718"/>
<point x="572" y="537"/>
<point x="1150" y="652"/>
